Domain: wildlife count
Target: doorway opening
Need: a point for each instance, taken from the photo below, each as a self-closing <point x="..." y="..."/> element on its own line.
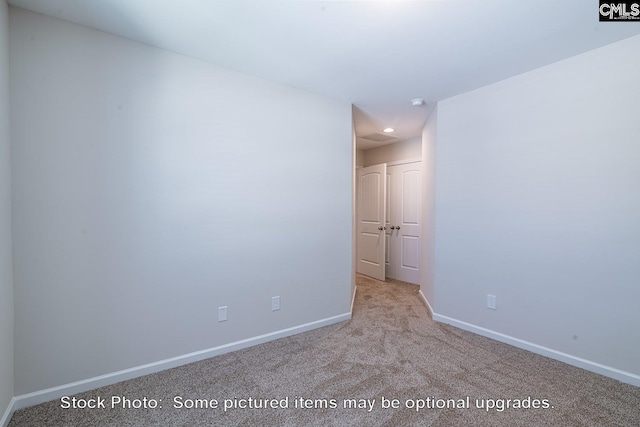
<point x="388" y="214"/>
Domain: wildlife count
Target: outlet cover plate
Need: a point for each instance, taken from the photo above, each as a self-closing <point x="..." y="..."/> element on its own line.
<point x="222" y="314"/>
<point x="491" y="302"/>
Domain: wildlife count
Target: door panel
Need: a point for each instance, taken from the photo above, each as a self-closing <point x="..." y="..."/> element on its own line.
<point x="369" y="211"/>
<point x="409" y="249"/>
<point x="371" y="221"/>
<point x="369" y="248"/>
<point x="405" y="210"/>
<point x="410" y="203"/>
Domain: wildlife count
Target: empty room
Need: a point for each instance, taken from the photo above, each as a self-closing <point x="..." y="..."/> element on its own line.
<point x="319" y="212"/>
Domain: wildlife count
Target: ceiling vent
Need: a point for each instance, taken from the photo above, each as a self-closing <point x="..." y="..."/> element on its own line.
<point x="379" y="137"/>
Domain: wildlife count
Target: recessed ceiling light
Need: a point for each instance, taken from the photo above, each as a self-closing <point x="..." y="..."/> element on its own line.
<point x="418" y="102"/>
<point x="388" y="130"/>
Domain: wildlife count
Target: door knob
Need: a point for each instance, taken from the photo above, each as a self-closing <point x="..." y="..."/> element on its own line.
<point x="380" y="228"/>
<point x="398" y="228"/>
<point x="393" y="227"/>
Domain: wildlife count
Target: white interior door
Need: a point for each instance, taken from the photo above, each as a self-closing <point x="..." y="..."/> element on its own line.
<point x="371" y="220"/>
<point x="403" y="227"/>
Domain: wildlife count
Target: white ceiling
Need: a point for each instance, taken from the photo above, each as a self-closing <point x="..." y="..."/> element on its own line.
<point x="377" y="55"/>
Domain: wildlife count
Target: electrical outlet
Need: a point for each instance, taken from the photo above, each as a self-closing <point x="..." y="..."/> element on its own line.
<point x="275" y="303"/>
<point x="222" y="314"/>
<point x="491" y="302"/>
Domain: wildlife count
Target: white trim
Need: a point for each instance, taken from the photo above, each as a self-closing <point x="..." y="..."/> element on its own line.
<point x="353" y="298"/>
<point x="426" y="302"/>
<point x="404" y="162"/>
<point x="4" y="421"/>
<point x="607" y="371"/>
<point x="53" y="393"/>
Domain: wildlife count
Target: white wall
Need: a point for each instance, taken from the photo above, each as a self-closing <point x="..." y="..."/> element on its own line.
<point x="429" y="138"/>
<point x="404" y="150"/>
<point x="6" y="280"/>
<point x="537" y="202"/>
<point x="148" y="191"/>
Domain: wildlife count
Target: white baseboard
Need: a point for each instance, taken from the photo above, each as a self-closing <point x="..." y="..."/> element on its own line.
<point x="598" y="368"/>
<point x="426" y="302"/>
<point x="53" y="393"/>
<point x="353" y="298"/>
<point x="4" y="421"/>
<point x="607" y="371"/>
<point x="46" y="395"/>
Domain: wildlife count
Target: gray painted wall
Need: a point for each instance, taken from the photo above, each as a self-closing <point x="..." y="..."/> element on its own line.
<point x="150" y="189"/>
<point x="6" y="280"/>
<point x="537" y="202"/>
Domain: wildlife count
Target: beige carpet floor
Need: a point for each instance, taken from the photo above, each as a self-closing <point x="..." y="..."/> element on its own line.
<point x="391" y="349"/>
